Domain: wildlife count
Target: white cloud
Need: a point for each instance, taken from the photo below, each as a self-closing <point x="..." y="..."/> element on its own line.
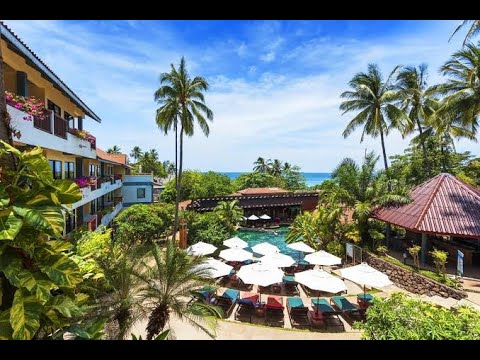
<point x="252" y="70"/>
<point x="268" y="57"/>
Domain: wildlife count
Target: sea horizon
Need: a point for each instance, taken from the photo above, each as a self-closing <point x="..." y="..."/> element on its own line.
<point x="312" y="178"/>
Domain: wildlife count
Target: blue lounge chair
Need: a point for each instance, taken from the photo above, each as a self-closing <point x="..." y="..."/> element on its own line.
<point x="297" y="312"/>
<point x="349" y="311"/>
<point x="227" y="301"/>
<point x="330" y="315"/>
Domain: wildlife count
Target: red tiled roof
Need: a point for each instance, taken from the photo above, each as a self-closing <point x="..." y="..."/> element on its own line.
<point x="182" y="205"/>
<point x="442" y="205"/>
<point x="262" y="191"/>
<point x="120" y="159"/>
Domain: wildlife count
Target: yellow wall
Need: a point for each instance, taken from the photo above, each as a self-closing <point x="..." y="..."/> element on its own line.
<point x="18" y="63"/>
<point x="58" y="155"/>
<point x="86" y="165"/>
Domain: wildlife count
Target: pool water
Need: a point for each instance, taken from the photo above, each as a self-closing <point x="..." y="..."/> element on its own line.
<point x="256" y="237"/>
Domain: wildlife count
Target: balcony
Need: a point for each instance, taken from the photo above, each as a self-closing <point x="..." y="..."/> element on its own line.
<point x="102" y="186"/>
<point x="51" y="133"/>
<point x="114" y="209"/>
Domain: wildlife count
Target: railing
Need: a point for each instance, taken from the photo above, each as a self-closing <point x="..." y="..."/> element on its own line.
<point x="92" y="223"/>
<point x="44" y="124"/>
<point x="117" y="199"/>
<point x="60" y="126"/>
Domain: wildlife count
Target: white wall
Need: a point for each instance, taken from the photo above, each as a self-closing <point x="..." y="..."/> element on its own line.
<point x="106" y="219"/>
<point x="89" y="195"/>
<point x="133" y="182"/>
<point x="33" y="136"/>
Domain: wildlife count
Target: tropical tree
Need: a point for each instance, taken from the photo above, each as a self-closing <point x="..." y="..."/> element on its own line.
<point x="257" y="179"/>
<point x="114" y="150"/>
<point x="286" y="166"/>
<point x="416" y="102"/>
<point x="474" y="29"/>
<point x="136" y="153"/>
<point x="361" y="189"/>
<point x="373" y="99"/>
<point x="169" y="167"/>
<point x="462" y="89"/>
<point x="168" y="279"/>
<point x="154" y="154"/>
<point x="261" y="165"/>
<point x="275" y="167"/>
<point x="182" y="104"/>
<point x="230" y="212"/>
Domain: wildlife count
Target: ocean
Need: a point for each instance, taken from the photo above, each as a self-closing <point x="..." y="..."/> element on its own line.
<point x="311" y="178"/>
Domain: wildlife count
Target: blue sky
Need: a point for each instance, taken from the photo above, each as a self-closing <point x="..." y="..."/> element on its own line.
<point x="275" y="85"/>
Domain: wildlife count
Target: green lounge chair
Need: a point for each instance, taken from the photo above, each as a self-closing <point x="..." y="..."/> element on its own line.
<point x="364" y="300"/>
<point x="330" y="314"/>
<point x="204" y="294"/>
<point x="227" y="301"/>
<point x="349" y="311"/>
<point x="290" y="285"/>
<point x="297" y="312"/>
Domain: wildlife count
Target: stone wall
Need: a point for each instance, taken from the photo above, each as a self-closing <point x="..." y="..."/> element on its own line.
<point x="412" y="281"/>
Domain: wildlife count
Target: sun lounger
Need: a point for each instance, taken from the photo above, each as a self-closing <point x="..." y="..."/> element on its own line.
<point x="227" y="301"/>
<point x="330" y="315"/>
<point x="290" y="285"/>
<point x="274" y="311"/>
<point x="297" y="312"/>
<point x="204" y="294"/>
<point x="246" y="307"/>
<point x="364" y="300"/>
<point x="350" y="311"/>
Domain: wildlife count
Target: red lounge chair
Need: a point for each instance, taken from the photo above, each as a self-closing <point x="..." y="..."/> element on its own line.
<point x="274" y="311"/>
<point x="246" y="307"/>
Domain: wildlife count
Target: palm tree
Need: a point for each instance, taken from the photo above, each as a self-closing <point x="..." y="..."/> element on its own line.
<point x="462" y="89"/>
<point x="305" y="228"/>
<point x="114" y="150"/>
<point x="182" y="104"/>
<point x="374" y="99"/>
<point x="169" y="167"/>
<point x="168" y="279"/>
<point x="416" y="102"/>
<point x="154" y="154"/>
<point x="230" y="212"/>
<point x="136" y="153"/>
<point x="362" y="189"/>
<point x="286" y="167"/>
<point x="474" y="29"/>
<point x="261" y="165"/>
<point x="275" y="167"/>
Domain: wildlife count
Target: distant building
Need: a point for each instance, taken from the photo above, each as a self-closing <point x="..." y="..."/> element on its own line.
<point x="138" y="189"/>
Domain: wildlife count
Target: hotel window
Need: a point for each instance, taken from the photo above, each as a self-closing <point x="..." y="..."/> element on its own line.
<point x="91" y="169"/>
<point x="141" y="193"/>
<point x="109" y="170"/>
<point x="54" y="107"/>
<point x="56" y="167"/>
<point x="70" y="223"/>
<point x="70" y="119"/>
<point x="69" y="170"/>
<point x="93" y="207"/>
<point x="98" y="170"/>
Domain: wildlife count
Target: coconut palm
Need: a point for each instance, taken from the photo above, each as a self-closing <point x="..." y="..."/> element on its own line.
<point x="462" y="89"/>
<point x="275" y="167"/>
<point x="230" y="212"/>
<point x="361" y="189"/>
<point x="153" y="154"/>
<point x="261" y="165"/>
<point x="286" y="166"/>
<point x="374" y="99"/>
<point x="416" y="102"/>
<point x="474" y="29"/>
<point x="136" y="153"/>
<point x="114" y="150"/>
<point x="168" y="279"/>
<point x="182" y="105"/>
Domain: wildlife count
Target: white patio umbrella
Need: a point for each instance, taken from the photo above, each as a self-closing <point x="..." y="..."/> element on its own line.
<point x="260" y="274"/>
<point x="201" y="248"/>
<point x="253" y="217"/>
<point x="301" y="246"/>
<point x="265" y="217"/>
<point x="323" y="258"/>
<point x="277" y="260"/>
<point x="215" y="268"/>
<point x="320" y="280"/>
<point x="265" y="248"/>
<point x="365" y="275"/>
<point x="236" y="255"/>
<point x="235" y="242"/>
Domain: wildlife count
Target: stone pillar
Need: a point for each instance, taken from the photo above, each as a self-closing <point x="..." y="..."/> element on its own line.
<point x="183" y="235"/>
<point x="80" y="123"/>
<point x="423" y="252"/>
<point x="22" y="84"/>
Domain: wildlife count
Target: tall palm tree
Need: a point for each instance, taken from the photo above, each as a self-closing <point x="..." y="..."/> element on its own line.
<point x="168" y="279"/>
<point x="230" y="212"/>
<point x="361" y="189"/>
<point x="462" y="89"/>
<point x="286" y="166"/>
<point x="136" y="153"/>
<point x="154" y="154"/>
<point x="275" y="167"/>
<point x="416" y="102"/>
<point x="182" y="105"/>
<point x="474" y="29"/>
<point x="374" y="99"/>
<point x="261" y="165"/>
<point x="114" y="150"/>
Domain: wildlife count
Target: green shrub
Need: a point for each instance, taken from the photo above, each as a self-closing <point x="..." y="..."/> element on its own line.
<point x="336" y="248"/>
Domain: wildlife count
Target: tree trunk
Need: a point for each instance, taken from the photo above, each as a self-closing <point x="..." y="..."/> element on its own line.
<point x="383" y="150"/>
<point x="424" y="149"/>
<point x="179" y="185"/>
<point x="176" y="153"/>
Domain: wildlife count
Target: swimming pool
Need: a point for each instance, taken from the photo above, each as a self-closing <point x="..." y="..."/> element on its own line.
<point x="256" y="237"/>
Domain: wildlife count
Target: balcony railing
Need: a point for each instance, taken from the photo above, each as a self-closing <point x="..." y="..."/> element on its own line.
<point x="44" y="124"/>
<point x="60" y="126"/>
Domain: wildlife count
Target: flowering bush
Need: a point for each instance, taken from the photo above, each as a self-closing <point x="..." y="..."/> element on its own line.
<point x="83" y="134"/>
<point x="117" y="176"/>
<point x="85" y="181"/>
<point x="30" y="105"/>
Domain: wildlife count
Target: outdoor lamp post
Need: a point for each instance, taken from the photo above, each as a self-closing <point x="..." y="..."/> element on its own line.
<point x="183" y="234"/>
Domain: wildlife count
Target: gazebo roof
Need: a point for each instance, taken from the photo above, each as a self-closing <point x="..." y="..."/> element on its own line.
<point x="442" y="205"/>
